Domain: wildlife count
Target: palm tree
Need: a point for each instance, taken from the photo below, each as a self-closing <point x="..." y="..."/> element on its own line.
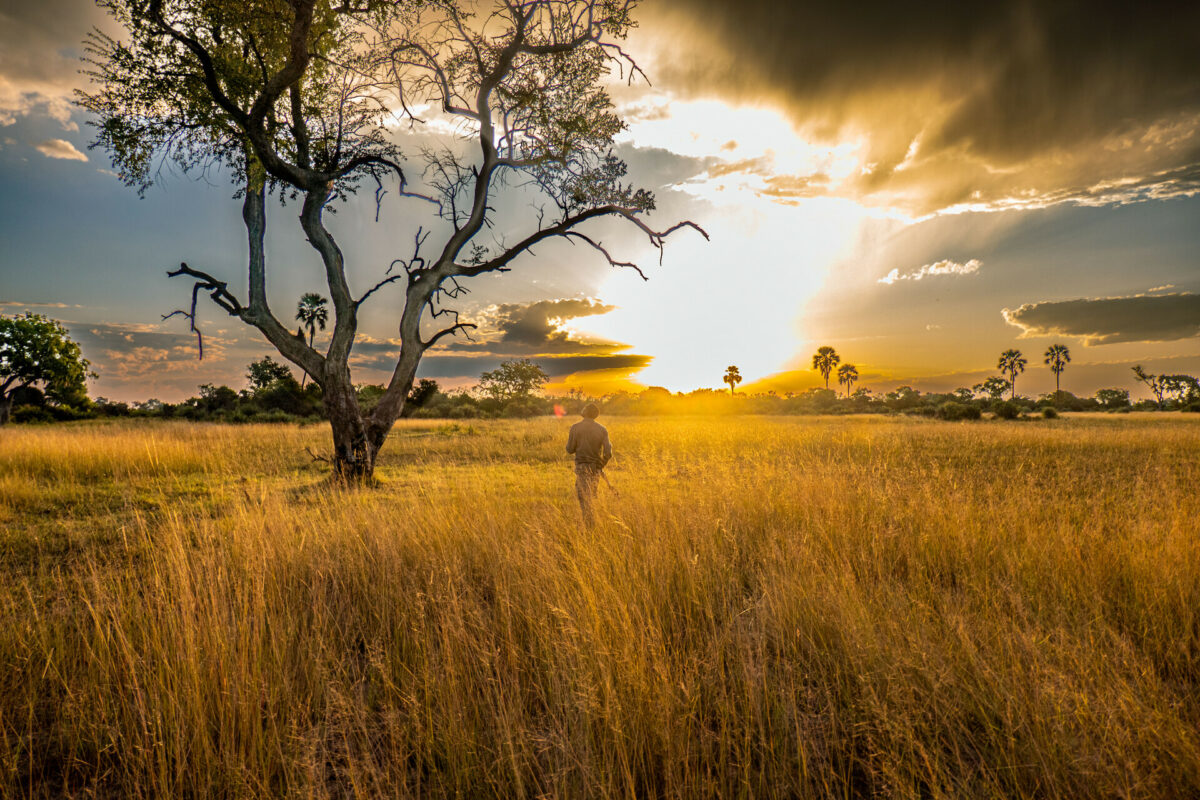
<point x="1057" y="356"/>
<point x="311" y="313"/>
<point x="732" y="377"/>
<point x="1012" y="363"/>
<point x="847" y="375"/>
<point x="824" y="360"/>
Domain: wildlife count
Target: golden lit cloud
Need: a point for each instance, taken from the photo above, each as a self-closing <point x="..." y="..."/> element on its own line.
<point x="943" y="267"/>
<point x="981" y="106"/>
<point x="59" y="148"/>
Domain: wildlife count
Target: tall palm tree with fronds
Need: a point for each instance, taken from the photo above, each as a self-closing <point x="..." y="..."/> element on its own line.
<point x="733" y="377"/>
<point x="847" y="375"/>
<point x="824" y="360"/>
<point x="311" y="313"/>
<point x="1057" y="356"/>
<point x="1011" y="364"/>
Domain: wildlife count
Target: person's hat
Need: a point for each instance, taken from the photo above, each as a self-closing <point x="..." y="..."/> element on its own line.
<point x="591" y="411"/>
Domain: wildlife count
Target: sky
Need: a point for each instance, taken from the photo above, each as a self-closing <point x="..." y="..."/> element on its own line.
<point x="921" y="186"/>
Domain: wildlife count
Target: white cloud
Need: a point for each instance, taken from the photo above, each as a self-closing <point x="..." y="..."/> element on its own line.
<point x="943" y="267"/>
<point x="60" y="148"/>
<point x="19" y="304"/>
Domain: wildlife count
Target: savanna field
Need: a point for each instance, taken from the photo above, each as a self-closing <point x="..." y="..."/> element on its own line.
<point x="769" y="607"/>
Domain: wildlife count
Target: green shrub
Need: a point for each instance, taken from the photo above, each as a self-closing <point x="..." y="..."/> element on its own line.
<point x="32" y="414"/>
<point x="1193" y="407"/>
<point x="464" y="411"/>
<point x="1049" y="413"/>
<point x="952" y="410"/>
<point x="1007" y="410"/>
<point x="524" y="407"/>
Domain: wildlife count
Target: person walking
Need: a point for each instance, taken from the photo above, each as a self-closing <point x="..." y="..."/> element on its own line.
<point x="588" y="442"/>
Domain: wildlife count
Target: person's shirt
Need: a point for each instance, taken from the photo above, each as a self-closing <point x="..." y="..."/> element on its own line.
<point x="588" y="441"/>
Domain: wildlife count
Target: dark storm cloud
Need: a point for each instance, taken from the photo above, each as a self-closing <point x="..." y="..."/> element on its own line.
<point x="508" y="331"/>
<point x="535" y="328"/>
<point x="1058" y="95"/>
<point x="537" y="324"/>
<point x="1107" y="320"/>
<point x="471" y="366"/>
<point x="457" y="367"/>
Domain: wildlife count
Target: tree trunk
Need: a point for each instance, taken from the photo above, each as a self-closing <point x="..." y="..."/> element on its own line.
<point x="354" y="448"/>
<point x="6" y="405"/>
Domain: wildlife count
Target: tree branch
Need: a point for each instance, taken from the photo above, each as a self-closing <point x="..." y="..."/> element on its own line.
<point x="565" y="228"/>
<point x="219" y="292"/>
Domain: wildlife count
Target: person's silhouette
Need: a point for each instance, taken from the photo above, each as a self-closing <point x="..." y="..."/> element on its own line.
<point x="588" y="442"/>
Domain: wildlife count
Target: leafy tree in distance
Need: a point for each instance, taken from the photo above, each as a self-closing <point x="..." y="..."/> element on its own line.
<point x="294" y="97"/>
<point x="1057" y="356"/>
<point x="994" y="387"/>
<point x="266" y="371"/>
<point x="847" y="375"/>
<point x="1185" y="388"/>
<point x="38" y="351"/>
<point x="1012" y="363"/>
<point x="311" y="314"/>
<point x="732" y="377"/>
<point x="824" y="360"/>
<point x="513" y="379"/>
<point x="1113" y="398"/>
<point x="423" y="392"/>
<point x="1153" y="383"/>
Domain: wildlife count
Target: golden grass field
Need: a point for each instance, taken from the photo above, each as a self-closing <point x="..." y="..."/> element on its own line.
<point x="799" y="607"/>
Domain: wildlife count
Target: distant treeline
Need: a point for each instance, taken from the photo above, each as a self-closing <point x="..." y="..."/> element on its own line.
<point x="284" y="400"/>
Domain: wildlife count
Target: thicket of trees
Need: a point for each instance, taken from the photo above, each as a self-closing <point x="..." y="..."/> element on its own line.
<point x="43" y="372"/>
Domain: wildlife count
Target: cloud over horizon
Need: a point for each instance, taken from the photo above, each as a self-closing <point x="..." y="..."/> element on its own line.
<point x="1109" y="320"/>
<point x="961" y="106"/>
<point x="514" y="330"/>
<point x="943" y="267"/>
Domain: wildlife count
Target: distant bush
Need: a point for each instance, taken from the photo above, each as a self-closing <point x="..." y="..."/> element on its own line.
<point x="26" y="414"/>
<point x="1007" y="410"/>
<point x="1193" y="407"/>
<point x="108" y="408"/>
<point x="524" y="407"/>
<point x="1049" y="412"/>
<point x="954" y="411"/>
<point x="1113" y="399"/>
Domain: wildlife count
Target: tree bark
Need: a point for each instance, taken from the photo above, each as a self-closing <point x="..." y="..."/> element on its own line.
<point x="354" y="448"/>
<point x="6" y="404"/>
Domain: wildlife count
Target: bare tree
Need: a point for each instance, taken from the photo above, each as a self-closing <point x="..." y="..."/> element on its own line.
<point x="1153" y="382"/>
<point x="292" y="97"/>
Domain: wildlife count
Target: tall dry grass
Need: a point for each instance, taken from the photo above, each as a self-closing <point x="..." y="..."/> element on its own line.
<point x="769" y="608"/>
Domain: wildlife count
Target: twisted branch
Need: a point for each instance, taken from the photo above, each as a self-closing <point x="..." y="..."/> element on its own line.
<point x="219" y="292"/>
